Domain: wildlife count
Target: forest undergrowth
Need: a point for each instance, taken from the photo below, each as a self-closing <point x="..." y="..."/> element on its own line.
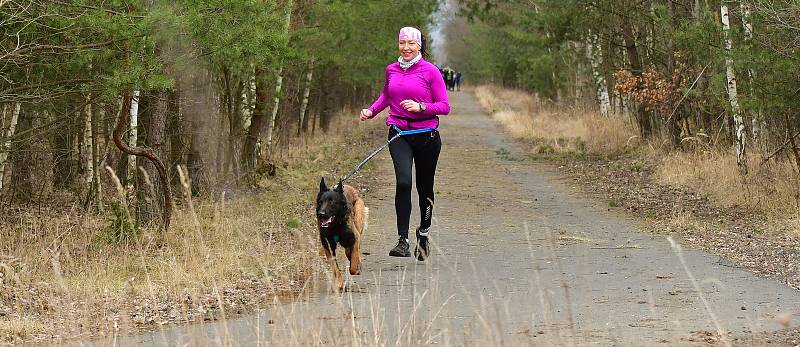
<point x="66" y="273"/>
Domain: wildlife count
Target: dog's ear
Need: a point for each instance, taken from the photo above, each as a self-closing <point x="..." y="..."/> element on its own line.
<point x="322" y="186"/>
<point x="340" y="187"/>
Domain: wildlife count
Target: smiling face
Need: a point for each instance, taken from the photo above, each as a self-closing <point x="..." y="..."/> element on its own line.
<point x="408" y="49"/>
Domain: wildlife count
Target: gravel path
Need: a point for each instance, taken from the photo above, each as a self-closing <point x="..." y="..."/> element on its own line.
<point x="520" y="258"/>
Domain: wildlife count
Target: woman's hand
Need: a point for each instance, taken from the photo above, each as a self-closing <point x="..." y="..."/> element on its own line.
<point x="410" y="105"/>
<point x="365" y="114"/>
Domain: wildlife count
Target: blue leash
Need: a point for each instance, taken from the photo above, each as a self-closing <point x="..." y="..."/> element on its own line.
<point x="409" y="132"/>
<point x="375" y="152"/>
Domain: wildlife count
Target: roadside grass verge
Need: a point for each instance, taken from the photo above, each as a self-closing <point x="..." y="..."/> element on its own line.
<point x="771" y="189"/>
<point x="64" y="274"/>
<point x="555" y="129"/>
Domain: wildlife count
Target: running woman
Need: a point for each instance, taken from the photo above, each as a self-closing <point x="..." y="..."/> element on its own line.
<point x="416" y="95"/>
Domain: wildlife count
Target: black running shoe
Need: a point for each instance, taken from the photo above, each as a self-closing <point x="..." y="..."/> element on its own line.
<point x="421" y="250"/>
<point x="401" y="250"/>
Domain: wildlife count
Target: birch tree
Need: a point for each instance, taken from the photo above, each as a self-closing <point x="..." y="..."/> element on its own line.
<point x="595" y="56"/>
<point x="730" y="74"/>
<point x="275" y="105"/>
<point x="132" y="138"/>
<point x="87" y="147"/>
<point x="8" y="133"/>
<point x="278" y="82"/>
<point x="304" y="103"/>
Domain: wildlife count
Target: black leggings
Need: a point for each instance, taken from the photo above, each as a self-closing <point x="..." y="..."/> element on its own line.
<point x="422" y="149"/>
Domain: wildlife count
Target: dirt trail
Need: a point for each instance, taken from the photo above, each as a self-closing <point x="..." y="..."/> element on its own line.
<point x="519" y="259"/>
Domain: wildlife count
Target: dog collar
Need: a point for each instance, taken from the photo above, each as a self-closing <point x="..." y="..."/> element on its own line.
<point x="336" y="238"/>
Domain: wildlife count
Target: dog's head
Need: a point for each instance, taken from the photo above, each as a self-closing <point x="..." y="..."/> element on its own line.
<point x="332" y="208"/>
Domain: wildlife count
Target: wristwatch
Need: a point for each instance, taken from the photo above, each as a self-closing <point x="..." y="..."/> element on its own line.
<point x="421" y="106"/>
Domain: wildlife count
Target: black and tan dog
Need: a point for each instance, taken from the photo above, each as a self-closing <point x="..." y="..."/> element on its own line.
<point x="342" y="219"/>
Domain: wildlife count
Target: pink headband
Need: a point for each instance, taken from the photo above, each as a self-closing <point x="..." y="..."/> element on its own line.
<point x="410" y="33"/>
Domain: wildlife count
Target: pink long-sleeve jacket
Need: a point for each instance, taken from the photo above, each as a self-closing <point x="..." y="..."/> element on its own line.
<point x="422" y="82"/>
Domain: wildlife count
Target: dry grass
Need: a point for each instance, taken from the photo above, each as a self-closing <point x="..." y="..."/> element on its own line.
<point x="19" y="329"/>
<point x="555" y="128"/>
<point x="65" y="274"/>
<point x="770" y="188"/>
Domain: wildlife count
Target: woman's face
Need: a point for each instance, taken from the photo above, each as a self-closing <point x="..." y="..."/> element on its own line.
<point x="408" y="49"/>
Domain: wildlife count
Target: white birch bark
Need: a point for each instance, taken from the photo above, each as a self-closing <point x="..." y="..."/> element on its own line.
<point x="132" y="138"/>
<point x="6" y="146"/>
<point x="649" y="43"/>
<point x="86" y="143"/>
<point x="278" y="83"/>
<point x="595" y="54"/>
<point x="306" y="92"/>
<point x="730" y="72"/>
<point x="275" y="106"/>
<point x="98" y="188"/>
<point x="248" y="103"/>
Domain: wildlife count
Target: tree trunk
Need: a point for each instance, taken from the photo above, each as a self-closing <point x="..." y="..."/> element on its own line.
<point x="122" y="121"/>
<point x="149" y="190"/>
<point x="645" y="127"/>
<point x="730" y="73"/>
<point x="256" y="124"/>
<point x="232" y="100"/>
<point x="759" y="127"/>
<point x="223" y="124"/>
<point x="673" y="120"/>
<point x="198" y="116"/>
<point x="32" y="160"/>
<point x="97" y="190"/>
<point x="177" y="144"/>
<point x="22" y="164"/>
<point x="595" y="54"/>
<point x="275" y="104"/>
<point x="86" y="145"/>
<point x="288" y="6"/>
<point x="792" y="142"/>
<point x="301" y="126"/>
<point x="132" y="138"/>
<point x="6" y="145"/>
<point x="327" y="99"/>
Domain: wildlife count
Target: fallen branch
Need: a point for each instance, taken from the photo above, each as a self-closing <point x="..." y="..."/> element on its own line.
<point x="122" y="122"/>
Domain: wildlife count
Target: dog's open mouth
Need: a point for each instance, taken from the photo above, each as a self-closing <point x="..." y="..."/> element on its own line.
<point x="326" y="223"/>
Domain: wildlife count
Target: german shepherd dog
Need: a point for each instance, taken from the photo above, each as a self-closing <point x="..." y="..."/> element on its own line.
<point x="342" y="219"/>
